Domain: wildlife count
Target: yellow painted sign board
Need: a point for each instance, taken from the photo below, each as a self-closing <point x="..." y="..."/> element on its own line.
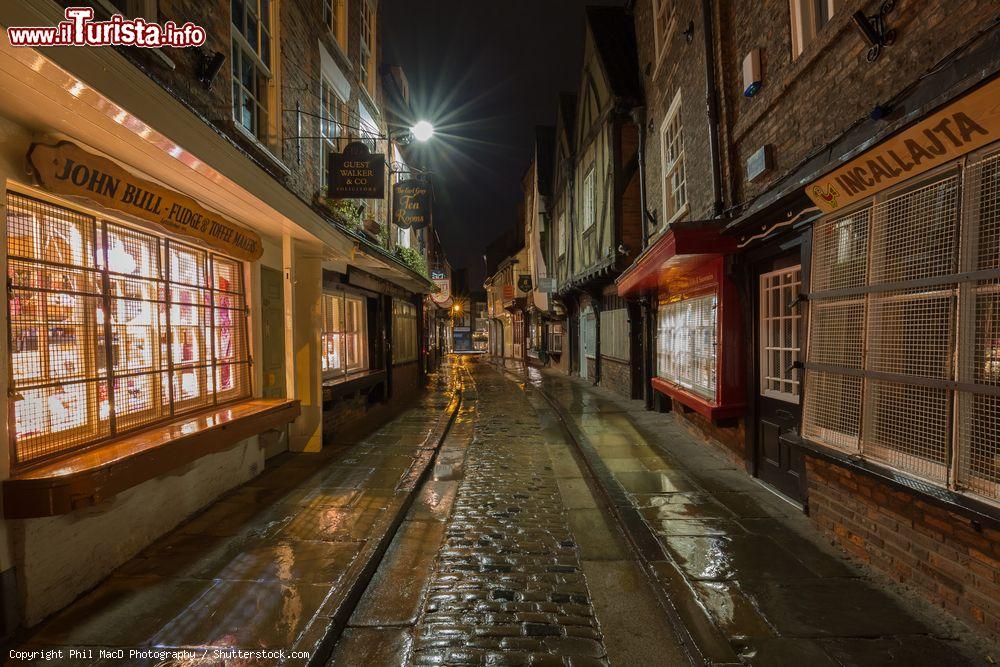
<point x="67" y="169"/>
<point x="963" y="126"/>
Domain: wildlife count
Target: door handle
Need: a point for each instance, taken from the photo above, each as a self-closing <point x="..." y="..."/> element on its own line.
<point x="802" y="296"/>
<point x="796" y="365"/>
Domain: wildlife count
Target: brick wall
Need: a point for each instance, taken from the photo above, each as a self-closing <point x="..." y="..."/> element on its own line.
<point x="299" y="30"/>
<point x="728" y="438"/>
<point x="938" y="553"/>
<point x="616" y="375"/>
<point x="343" y="412"/>
<point x="681" y="68"/>
<point x="405" y="379"/>
<point x="807" y="101"/>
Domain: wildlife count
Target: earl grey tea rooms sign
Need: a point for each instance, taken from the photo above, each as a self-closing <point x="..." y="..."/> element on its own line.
<point x="356" y="173"/>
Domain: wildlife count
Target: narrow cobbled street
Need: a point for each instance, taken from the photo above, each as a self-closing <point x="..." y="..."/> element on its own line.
<point x="564" y="526"/>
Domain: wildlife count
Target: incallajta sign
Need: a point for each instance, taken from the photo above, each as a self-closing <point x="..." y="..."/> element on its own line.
<point x="963" y="126"/>
<point x="67" y="169"/>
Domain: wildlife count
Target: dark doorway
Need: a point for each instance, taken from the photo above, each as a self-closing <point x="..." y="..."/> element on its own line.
<point x="780" y="341"/>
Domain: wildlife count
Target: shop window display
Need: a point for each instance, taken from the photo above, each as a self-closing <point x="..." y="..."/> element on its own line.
<point x="84" y="292"/>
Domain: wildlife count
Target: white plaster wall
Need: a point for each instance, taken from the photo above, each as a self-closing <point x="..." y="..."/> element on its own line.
<point x="61" y="557"/>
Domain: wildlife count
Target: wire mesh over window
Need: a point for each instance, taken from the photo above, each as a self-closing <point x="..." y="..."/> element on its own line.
<point x="113" y="329"/>
<point x="904" y="343"/>
<point x="686" y="344"/>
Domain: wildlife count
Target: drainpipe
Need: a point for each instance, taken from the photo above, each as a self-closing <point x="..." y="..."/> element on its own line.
<point x="712" y="101"/>
<point x="648" y="340"/>
<point x="639" y="118"/>
<point x="596" y="305"/>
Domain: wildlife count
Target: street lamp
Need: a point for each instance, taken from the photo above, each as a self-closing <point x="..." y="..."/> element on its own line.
<point x="422" y="131"/>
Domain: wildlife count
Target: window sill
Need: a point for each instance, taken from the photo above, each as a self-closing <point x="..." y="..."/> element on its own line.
<point x="261" y="148"/>
<point x="92" y="476"/>
<point x="703" y="406"/>
<point x="337" y="387"/>
<point x="977" y="510"/>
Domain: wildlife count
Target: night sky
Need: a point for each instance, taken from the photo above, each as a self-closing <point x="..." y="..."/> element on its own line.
<point x="485" y="73"/>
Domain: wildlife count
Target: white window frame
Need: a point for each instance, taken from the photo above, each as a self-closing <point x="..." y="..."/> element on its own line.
<point x="242" y="49"/>
<point x="674" y="175"/>
<point x="664" y="20"/>
<point x="335" y="19"/>
<point x="777" y="291"/>
<point x="588" y="214"/>
<point x="403" y="237"/>
<point x="366" y="59"/>
<point x="331" y="132"/>
<point x="806" y="23"/>
<point x="336" y="335"/>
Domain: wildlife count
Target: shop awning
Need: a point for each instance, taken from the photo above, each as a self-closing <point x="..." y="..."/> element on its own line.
<point x="682" y="247"/>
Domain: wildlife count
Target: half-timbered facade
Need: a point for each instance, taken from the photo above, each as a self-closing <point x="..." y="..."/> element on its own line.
<point x="595" y="207"/>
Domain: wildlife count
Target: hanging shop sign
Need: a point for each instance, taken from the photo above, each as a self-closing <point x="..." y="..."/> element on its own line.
<point x="67" y="169"/>
<point x="444" y="290"/>
<point x="411" y="204"/>
<point x="508" y="292"/>
<point x="437" y="274"/>
<point x="357" y="173"/>
<point x="963" y="126"/>
<point x="524" y="282"/>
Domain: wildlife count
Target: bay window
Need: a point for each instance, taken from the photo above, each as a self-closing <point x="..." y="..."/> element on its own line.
<point x="404" y="332"/>
<point x="113" y="328"/>
<point x="687" y="344"/>
<point x="903" y="362"/>
<point x="344" y="339"/>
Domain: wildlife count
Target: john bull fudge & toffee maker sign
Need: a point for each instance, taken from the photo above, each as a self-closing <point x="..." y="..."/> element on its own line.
<point x="961" y="127"/>
<point x="356" y="173"/>
<point x="67" y="169"/>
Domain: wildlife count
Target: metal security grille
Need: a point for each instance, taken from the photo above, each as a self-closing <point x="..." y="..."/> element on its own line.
<point x="978" y="459"/>
<point x="904" y="345"/>
<point x="614" y="334"/>
<point x="779" y="333"/>
<point x="686" y="344"/>
<point x="171" y="319"/>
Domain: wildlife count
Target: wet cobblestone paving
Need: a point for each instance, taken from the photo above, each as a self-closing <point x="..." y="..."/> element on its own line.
<point x="507" y="587"/>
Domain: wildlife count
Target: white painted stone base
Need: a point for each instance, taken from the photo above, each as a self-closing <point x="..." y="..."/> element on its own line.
<point x="58" y="558"/>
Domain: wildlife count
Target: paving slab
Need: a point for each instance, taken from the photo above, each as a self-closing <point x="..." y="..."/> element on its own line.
<point x="273" y="563"/>
<point x="741" y="565"/>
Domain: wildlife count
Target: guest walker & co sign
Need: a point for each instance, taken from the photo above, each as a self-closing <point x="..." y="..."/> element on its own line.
<point x="356" y="173"/>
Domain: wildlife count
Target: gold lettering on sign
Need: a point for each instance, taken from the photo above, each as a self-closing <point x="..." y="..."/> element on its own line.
<point x="67" y="169"/>
<point x="963" y="126"/>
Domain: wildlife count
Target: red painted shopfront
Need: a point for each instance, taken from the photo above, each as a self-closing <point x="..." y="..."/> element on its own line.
<point x="698" y="357"/>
